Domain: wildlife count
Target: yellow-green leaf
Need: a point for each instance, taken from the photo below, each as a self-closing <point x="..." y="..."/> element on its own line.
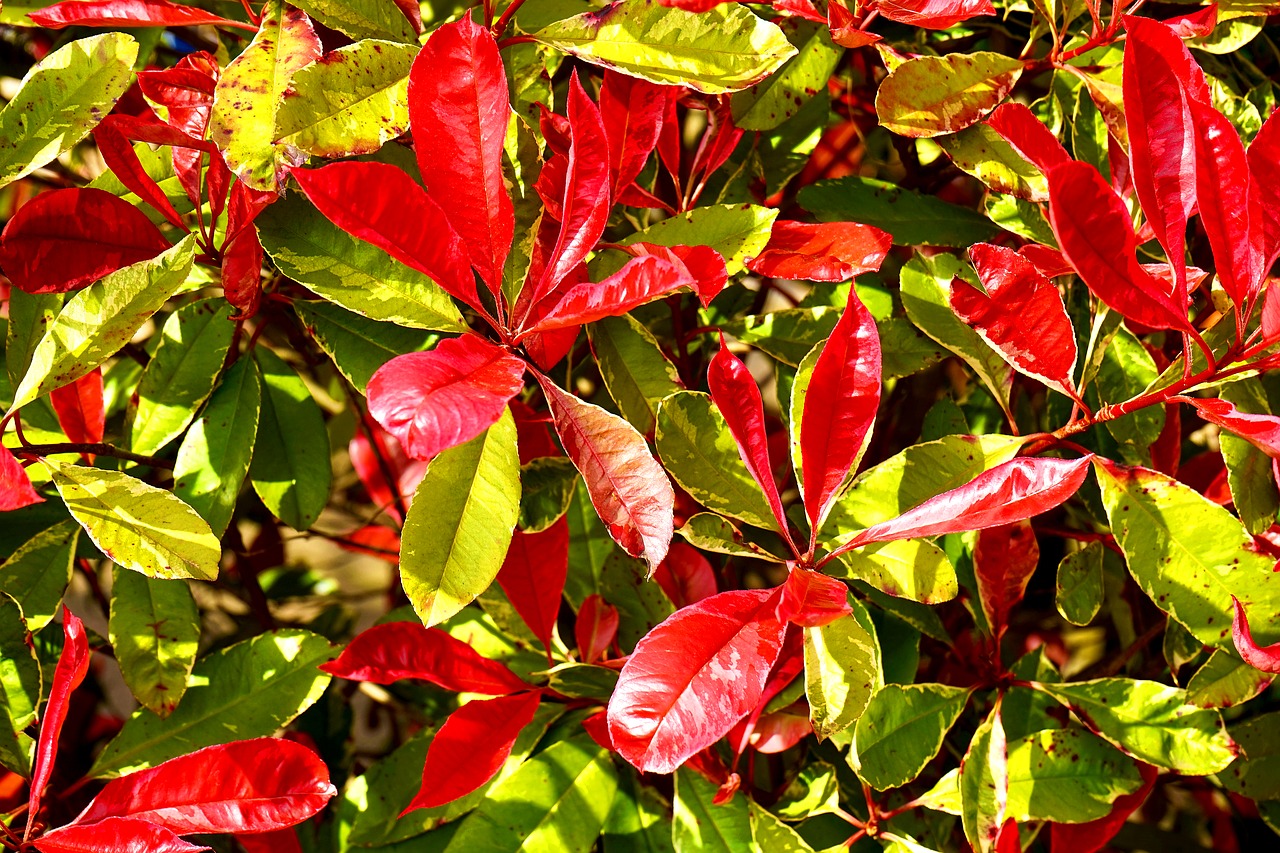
<point x="155" y="633"/>
<point x="933" y="95"/>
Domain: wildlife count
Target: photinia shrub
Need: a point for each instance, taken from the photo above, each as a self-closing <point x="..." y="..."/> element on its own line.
<point x="661" y="425"/>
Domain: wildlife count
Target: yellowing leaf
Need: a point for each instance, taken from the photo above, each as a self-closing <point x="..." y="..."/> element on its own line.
<point x="933" y="95"/>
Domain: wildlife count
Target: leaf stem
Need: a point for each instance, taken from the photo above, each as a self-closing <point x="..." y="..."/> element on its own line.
<point x="505" y="18"/>
<point x="100" y="449"/>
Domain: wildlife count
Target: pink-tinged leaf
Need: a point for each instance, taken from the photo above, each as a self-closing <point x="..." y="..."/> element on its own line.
<point x="279" y="841"/>
<point x="395" y="650"/>
<point x="846" y="30"/>
<point x="431" y="401"/>
<point x="628" y="488"/>
<point x="801" y="9"/>
<point x="640" y="280"/>
<point x="79" y="408"/>
<point x="375" y="541"/>
<point x="828" y="251"/>
<point x="1029" y="137"/>
<point x="811" y="599"/>
<point x="693" y="677"/>
<point x="185" y="91"/>
<point x="242" y="253"/>
<point x="65" y="239"/>
<point x="123" y="161"/>
<point x="779" y="731"/>
<point x="126" y="13"/>
<point x="1196" y="24"/>
<point x="933" y="14"/>
<point x="1004" y="560"/>
<point x="16" y="490"/>
<point x="533" y="575"/>
<point x="839" y="409"/>
<point x="1230" y="207"/>
<point x="547" y="348"/>
<point x="1093" y="836"/>
<point x="735" y="393"/>
<point x="73" y="665"/>
<point x="1016" y="490"/>
<point x="595" y="629"/>
<point x="115" y="835"/>
<point x="1262" y="431"/>
<point x="1271" y="313"/>
<point x="1048" y="261"/>
<point x="704" y="264"/>
<point x="632" y="110"/>
<point x="374" y="464"/>
<point x="1021" y="316"/>
<point x="1162" y="136"/>
<point x="246" y="786"/>
<point x="718" y="142"/>
<point x="1265" y="658"/>
<point x="459" y="110"/>
<point x="692" y="5"/>
<point x="1094" y="232"/>
<point x="685" y="575"/>
<point x="380" y="204"/>
<point x="471" y="746"/>
<point x="1264" y="163"/>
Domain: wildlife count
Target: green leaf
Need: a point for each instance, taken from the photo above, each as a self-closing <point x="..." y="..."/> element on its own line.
<point x="711" y="532"/>
<point x="932" y="95"/>
<point x="912" y="218"/>
<point x="244" y="691"/>
<point x="814" y="791"/>
<point x="29" y="315"/>
<point x="352" y="100"/>
<point x="249" y="93"/>
<point x="555" y="803"/>
<point x="1066" y="776"/>
<point x="984" y="784"/>
<point x="787" y="335"/>
<point x="37" y="574"/>
<point x="590" y="546"/>
<point x="137" y="525"/>
<point x="736" y="231"/>
<point x="19" y="688"/>
<point x="1018" y="216"/>
<point x="698" y="450"/>
<point x="290" y="469"/>
<point x="1226" y="681"/>
<point x="357" y="345"/>
<point x="638" y="822"/>
<point x="1126" y="370"/>
<point x="181" y="375"/>
<point x="1078" y="593"/>
<point x="842" y="670"/>
<point x="1151" y="722"/>
<point x="155" y="634"/>
<point x="214" y="457"/>
<point x="102" y="318"/>
<point x="636" y="373"/>
<point x="642" y="605"/>
<point x="61" y="99"/>
<point x="546" y="488"/>
<point x="904" y="349"/>
<point x="1249" y="475"/>
<point x="781" y="95"/>
<point x="1190" y="555"/>
<point x="771" y="835"/>
<point x="721" y="50"/>
<point x="902" y="729"/>
<point x="913" y="569"/>
<point x="980" y="151"/>
<point x="1256" y="773"/>
<point x="460" y="524"/>
<point x="350" y="272"/>
<point x="703" y="827"/>
<point x="361" y="19"/>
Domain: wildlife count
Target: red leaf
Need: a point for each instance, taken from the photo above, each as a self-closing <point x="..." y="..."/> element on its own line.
<point x="66" y="239"/>
<point x="395" y="650"/>
<point x="693" y="676"/>
<point x="533" y="575"/>
<point x="1018" y="489"/>
<point x="1264" y="163"/>
<point x="16" y="490"/>
<point x="380" y="204"/>
<point x="704" y="264"/>
<point x="1093" y="836"/>
<point x="78" y="406"/>
<point x="1004" y="560"/>
<point x="126" y="13"/>
<point x="247" y="786"/>
<point x="1271" y="314"/>
<point x="470" y="748"/>
<point x="829" y="251"/>
<point x="1029" y="137"/>
<point x="279" y="841"/>
<point x="632" y="110"/>
<point x="692" y="5"/>
<point x="123" y="161"/>
<point x="115" y="835"/>
<point x="547" y="348"/>
<point x="368" y="462"/>
<point x="597" y="726"/>
<point x="640" y="280"/>
<point x="73" y="665"/>
<point x="1262" y="431"/>
<point x="1049" y="261"/>
<point x="1265" y="658"/>
<point x="628" y="488"/>
<point x="1021" y="316"/>
<point x="1008" y="841"/>
<point x="241" y="252"/>
<point x="811" y="599"/>
<point x="185" y="90"/>
<point x="431" y="401"/>
<point x="685" y="575"/>
<point x="1094" y="232"/>
<point x="933" y="14"/>
<point x="839" y="409"/>
<point x="846" y="30"/>
<point x="801" y="9"/>
<point x="779" y="731"/>
<point x="596" y="628"/>
<point x="1230" y="207"/>
<point x="736" y="395"/>
<point x="459" y="110"/>
<point x="1195" y="24"/>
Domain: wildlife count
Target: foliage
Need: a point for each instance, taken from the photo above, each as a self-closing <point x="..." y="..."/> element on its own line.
<point x="663" y="425"/>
